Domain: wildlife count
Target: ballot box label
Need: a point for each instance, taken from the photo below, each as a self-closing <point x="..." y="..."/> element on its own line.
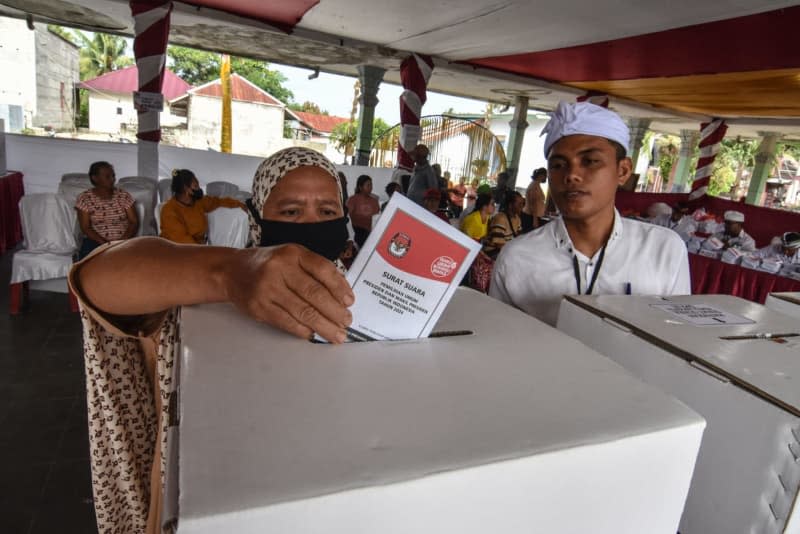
<point x="702" y="314"/>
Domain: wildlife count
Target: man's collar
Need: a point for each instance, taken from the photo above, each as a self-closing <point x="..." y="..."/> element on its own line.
<point x="562" y="239"/>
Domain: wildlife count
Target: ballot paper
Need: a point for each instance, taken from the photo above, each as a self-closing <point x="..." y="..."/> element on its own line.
<point x="406" y="273"/>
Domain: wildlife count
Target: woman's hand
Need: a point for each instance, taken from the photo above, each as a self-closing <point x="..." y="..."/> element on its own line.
<point x="291" y="288"/>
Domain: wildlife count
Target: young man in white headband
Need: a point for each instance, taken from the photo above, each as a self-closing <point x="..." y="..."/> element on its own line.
<point x="734" y="235"/>
<point x="590" y="249"/>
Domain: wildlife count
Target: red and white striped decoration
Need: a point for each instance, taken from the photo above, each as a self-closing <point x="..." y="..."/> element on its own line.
<point x="594" y="97"/>
<point x="151" y="27"/>
<point x="711" y="134"/>
<point x="415" y="71"/>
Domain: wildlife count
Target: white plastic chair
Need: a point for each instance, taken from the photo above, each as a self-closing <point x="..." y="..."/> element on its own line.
<point x="140" y="214"/>
<point x="79" y="177"/>
<point x="164" y="189"/>
<point x="145" y="192"/>
<point x="243" y="196"/>
<point x="48" y="223"/>
<point x="221" y="189"/>
<point x="157" y="214"/>
<point x="71" y="189"/>
<point x="228" y="227"/>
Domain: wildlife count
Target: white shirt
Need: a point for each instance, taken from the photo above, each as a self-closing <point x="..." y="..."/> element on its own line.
<point x="685" y="227"/>
<point x="534" y="271"/>
<point x="743" y="241"/>
<point x="775" y="252"/>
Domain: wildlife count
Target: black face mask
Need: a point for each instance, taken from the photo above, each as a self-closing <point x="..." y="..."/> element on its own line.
<point x="327" y="238"/>
<point x="197" y="194"/>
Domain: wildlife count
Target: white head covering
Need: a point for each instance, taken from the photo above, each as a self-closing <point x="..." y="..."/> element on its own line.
<point x="734" y="216"/>
<point x="659" y="208"/>
<point x="584" y="118"/>
<point x="791" y="239"/>
<point x="276" y="167"/>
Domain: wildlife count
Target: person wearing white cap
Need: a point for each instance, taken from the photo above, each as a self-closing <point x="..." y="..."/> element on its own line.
<point x="678" y="220"/>
<point x="734" y="235"/>
<point x="784" y="248"/>
<point x="591" y="249"/>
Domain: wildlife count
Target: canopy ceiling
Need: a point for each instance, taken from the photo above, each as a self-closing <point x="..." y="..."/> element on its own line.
<point x="677" y="62"/>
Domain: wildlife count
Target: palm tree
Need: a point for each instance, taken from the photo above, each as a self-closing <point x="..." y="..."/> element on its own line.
<point x="101" y="54"/>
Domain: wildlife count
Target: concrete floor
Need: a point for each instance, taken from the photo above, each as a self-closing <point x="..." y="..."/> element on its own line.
<point x="45" y="484"/>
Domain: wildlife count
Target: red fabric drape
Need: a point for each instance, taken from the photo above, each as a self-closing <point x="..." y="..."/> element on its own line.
<point x="11" y="190"/>
<point x="711" y="276"/>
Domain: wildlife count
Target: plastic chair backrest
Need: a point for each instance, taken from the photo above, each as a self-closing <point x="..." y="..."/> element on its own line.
<point x="144" y="192"/>
<point x="80" y="177"/>
<point x="70" y="190"/>
<point x="228" y="227"/>
<point x="157" y="215"/>
<point x="48" y="223"/>
<point x="221" y="189"/>
<point x="164" y="190"/>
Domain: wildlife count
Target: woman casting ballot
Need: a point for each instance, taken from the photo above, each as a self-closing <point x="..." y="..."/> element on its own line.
<point x="131" y="294"/>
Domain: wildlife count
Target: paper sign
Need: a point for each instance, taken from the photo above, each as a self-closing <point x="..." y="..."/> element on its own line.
<point x="702" y="315"/>
<point x="144" y="101"/>
<point x="406" y="273"/>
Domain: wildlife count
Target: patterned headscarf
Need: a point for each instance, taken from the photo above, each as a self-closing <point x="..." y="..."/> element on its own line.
<point x="276" y="167"/>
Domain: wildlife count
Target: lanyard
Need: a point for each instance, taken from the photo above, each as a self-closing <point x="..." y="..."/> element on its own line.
<point x="595" y="273"/>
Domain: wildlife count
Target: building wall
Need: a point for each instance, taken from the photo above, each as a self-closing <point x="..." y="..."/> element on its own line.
<point x="532" y="156"/>
<point x="56" y="73"/>
<point x="18" y="78"/>
<point x="257" y="128"/>
<point x="109" y="111"/>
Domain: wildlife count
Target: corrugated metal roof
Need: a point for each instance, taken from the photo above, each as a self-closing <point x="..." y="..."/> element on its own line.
<point x="127" y="81"/>
<point x="241" y="90"/>
<point x="320" y="123"/>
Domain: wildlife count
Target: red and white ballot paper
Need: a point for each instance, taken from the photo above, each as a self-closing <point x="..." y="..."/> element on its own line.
<point x="406" y="273"/>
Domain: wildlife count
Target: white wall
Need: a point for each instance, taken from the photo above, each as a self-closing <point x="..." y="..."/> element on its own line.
<point x="18" y="66"/>
<point x="43" y="160"/>
<point x="532" y="155"/>
<point x="103" y="116"/>
<point x="257" y="128"/>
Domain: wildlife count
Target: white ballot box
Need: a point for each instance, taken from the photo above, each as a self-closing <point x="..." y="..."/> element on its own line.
<point x="724" y="357"/>
<point x="786" y="303"/>
<point x="511" y="428"/>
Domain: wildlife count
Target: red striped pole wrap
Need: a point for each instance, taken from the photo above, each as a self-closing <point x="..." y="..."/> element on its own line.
<point x="711" y="134"/>
<point x="415" y="71"/>
<point x="151" y="27"/>
<point x="594" y="97"/>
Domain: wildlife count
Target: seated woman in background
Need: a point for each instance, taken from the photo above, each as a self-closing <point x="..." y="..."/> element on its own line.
<point x="132" y="330"/>
<point x="506" y="225"/>
<point x="183" y="217"/>
<point x="361" y="207"/>
<point x="476" y="224"/>
<point x="105" y="213"/>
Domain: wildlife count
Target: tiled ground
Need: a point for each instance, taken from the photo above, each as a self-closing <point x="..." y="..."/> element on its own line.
<point x="44" y="452"/>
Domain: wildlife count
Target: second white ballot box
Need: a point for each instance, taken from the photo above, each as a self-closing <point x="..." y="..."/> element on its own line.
<point x="507" y="426"/>
<point x="737" y="364"/>
<point x="786" y="303"/>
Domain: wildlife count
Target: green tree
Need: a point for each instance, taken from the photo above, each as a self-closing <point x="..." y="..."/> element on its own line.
<point x="308" y="107"/>
<point x="63" y="32"/>
<point x="345" y="134"/>
<point x="100" y="54"/>
<point x="198" y="67"/>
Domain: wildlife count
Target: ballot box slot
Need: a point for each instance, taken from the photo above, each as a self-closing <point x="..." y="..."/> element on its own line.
<point x="358" y="337"/>
<point x="719" y="373"/>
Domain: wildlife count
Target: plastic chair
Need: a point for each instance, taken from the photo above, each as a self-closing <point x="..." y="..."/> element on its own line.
<point x="157" y="215"/>
<point x="48" y="223"/>
<point x="228" y="227"/>
<point x="221" y="189"/>
<point x="145" y="192"/>
<point x="80" y="177"/>
<point x="164" y="190"/>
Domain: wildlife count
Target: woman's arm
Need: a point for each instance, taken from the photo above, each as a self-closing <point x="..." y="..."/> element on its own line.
<point x="288" y="286"/>
<point x="133" y="223"/>
<point x="84" y="219"/>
